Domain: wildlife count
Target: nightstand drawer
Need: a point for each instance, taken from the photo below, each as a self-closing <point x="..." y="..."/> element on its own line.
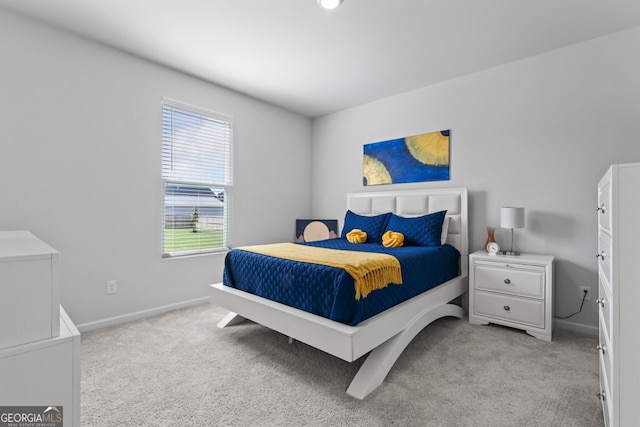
<point x="519" y="310"/>
<point x="510" y="278"/>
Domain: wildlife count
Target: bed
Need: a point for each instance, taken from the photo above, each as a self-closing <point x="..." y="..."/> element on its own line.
<point x="385" y="335"/>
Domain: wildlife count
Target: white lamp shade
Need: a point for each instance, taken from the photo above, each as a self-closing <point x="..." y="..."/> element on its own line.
<point x="512" y="217"/>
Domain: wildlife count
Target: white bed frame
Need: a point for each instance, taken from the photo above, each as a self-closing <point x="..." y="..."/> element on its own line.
<point x="387" y="334"/>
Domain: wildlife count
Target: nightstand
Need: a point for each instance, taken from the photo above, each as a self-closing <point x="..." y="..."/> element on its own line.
<point x="514" y="291"/>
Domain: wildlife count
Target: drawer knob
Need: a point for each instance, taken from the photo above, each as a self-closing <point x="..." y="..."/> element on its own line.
<point x="600" y="302"/>
<point x="600" y="255"/>
<point x="602" y="348"/>
<point x="507" y="308"/>
<point x="602" y="395"/>
<point x="507" y="281"/>
<point x="601" y="209"/>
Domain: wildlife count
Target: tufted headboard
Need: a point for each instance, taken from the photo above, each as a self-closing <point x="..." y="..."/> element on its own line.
<point x="419" y="202"/>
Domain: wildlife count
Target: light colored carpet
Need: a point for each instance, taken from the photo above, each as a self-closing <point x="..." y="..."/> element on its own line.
<point x="180" y="369"/>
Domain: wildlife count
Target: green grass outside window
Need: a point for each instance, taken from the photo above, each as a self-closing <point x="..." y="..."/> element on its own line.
<point x="184" y="239"/>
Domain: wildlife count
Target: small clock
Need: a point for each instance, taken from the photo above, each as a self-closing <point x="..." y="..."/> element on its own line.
<point x="493" y="248"/>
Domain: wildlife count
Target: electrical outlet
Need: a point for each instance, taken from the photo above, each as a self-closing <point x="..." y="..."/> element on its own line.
<point x="582" y="291"/>
<point x="112" y="287"/>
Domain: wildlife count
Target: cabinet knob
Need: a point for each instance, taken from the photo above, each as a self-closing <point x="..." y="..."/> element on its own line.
<point x="600" y="255"/>
<point x="507" y="308"/>
<point x="507" y="281"/>
<point x="602" y="395"/>
<point x="600" y="302"/>
<point x="601" y="209"/>
<point x="602" y="348"/>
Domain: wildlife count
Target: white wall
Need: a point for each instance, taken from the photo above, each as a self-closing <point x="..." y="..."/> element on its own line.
<point x="537" y="133"/>
<point x="80" y="158"/>
<point x="80" y="167"/>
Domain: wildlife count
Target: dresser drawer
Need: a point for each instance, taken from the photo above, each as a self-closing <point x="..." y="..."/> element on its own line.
<point x="604" y="254"/>
<point x="510" y="278"/>
<point x="604" y="307"/>
<point x="606" y="356"/>
<point x="605" y="396"/>
<point x="513" y="309"/>
<point x="604" y="206"/>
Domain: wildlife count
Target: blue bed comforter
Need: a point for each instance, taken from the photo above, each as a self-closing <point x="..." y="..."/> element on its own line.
<point x="329" y="291"/>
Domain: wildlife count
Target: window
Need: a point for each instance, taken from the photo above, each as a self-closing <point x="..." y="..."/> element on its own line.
<point x="197" y="175"/>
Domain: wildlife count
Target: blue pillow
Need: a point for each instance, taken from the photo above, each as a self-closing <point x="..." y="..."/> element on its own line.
<point x="374" y="226"/>
<point x="423" y="230"/>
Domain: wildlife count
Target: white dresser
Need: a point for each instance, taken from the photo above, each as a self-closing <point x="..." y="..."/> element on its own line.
<point x="44" y="373"/>
<point x="515" y="291"/>
<point x="619" y="294"/>
<point x="39" y="345"/>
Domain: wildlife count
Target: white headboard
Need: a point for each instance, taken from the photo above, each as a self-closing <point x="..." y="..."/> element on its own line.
<point x="419" y="202"/>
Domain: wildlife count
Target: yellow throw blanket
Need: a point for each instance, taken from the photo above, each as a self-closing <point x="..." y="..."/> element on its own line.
<point x="370" y="271"/>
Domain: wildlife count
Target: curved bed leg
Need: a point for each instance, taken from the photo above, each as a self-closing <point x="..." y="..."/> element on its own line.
<point x="380" y="361"/>
<point x="230" y="320"/>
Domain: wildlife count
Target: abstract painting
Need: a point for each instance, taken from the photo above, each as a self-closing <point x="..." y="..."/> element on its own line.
<point x="417" y="158"/>
<point x="310" y="230"/>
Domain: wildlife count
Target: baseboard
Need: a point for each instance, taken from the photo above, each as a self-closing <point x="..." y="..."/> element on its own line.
<point x="111" y="321"/>
<point x="576" y="327"/>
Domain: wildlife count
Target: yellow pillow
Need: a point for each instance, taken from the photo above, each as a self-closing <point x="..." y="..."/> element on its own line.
<point x="391" y="239"/>
<point x="356" y="236"/>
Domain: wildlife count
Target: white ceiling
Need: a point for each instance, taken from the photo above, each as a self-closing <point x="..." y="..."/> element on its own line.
<point x="312" y="61"/>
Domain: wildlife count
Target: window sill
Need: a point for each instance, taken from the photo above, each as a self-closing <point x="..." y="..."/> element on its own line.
<point x="220" y="251"/>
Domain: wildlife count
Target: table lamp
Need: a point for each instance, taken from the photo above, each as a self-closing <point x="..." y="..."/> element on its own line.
<point x="511" y="217"/>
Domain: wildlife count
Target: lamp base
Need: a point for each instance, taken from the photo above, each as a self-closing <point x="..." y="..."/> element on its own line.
<point x="510" y="253"/>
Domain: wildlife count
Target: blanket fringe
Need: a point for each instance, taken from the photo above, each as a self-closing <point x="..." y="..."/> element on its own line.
<point x="377" y="279"/>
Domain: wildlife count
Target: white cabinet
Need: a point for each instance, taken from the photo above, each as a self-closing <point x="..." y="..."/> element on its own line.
<point x="619" y="292"/>
<point x="44" y="373"/>
<point x="29" y="289"/>
<point x="514" y="291"/>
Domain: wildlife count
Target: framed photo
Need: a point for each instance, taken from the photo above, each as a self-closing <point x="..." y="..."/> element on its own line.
<point x="310" y="230"/>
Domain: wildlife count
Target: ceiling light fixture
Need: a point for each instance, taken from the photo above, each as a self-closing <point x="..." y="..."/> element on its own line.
<point x="329" y="4"/>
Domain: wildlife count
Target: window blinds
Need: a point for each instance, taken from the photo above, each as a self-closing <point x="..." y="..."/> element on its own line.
<point x="197" y="173"/>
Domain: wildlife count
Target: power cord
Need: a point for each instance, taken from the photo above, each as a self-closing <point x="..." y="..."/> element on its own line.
<point x="584" y="296"/>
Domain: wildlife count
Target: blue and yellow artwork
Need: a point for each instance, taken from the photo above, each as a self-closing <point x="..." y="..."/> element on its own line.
<point x="417" y="158"/>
